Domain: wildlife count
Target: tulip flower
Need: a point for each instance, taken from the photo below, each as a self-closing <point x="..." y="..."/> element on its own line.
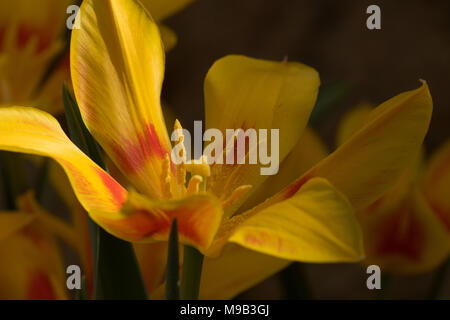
<point x="30" y="40"/>
<point x="32" y="265"/>
<point x="406" y="231"/>
<point x="117" y="74"/>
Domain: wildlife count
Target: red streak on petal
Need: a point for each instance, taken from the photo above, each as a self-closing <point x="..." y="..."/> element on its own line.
<point x="36" y="237"/>
<point x="292" y="189"/>
<point x="252" y="239"/>
<point x="151" y="142"/>
<point x="132" y="155"/>
<point x="141" y="224"/>
<point x="117" y="191"/>
<point x="442" y="213"/>
<point x="439" y="206"/>
<point x="26" y="33"/>
<point x="401" y="233"/>
<point x="40" y="287"/>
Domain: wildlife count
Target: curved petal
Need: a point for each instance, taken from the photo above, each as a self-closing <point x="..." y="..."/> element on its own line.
<point x="152" y="258"/>
<point x="32" y="131"/>
<point x="308" y="151"/>
<point x="50" y="95"/>
<point x="406" y="239"/>
<point x="375" y="156"/>
<point x="316" y="224"/>
<point x="12" y="222"/>
<point x="352" y="121"/>
<point x="169" y="38"/>
<point x="236" y="270"/>
<point x="29" y="40"/>
<point x="143" y="219"/>
<point x="161" y="9"/>
<point x="31" y="266"/>
<point x="245" y="93"/>
<point x="436" y="184"/>
<point x="129" y="216"/>
<point x="117" y="75"/>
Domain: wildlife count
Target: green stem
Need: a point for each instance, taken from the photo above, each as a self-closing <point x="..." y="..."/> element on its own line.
<point x="13" y="173"/>
<point x="41" y="180"/>
<point x="172" y="276"/>
<point x="439" y="281"/>
<point x="328" y="97"/>
<point x="192" y="271"/>
<point x="116" y="270"/>
<point x="118" y="274"/>
<point x="8" y="180"/>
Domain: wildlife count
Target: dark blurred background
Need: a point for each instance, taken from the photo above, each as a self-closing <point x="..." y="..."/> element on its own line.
<point x="331" y="36"/>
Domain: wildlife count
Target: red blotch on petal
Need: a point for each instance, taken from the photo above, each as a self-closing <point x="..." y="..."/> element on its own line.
<point x="26" y="33"/>
<point x="401" y="234"/>
<point x="40" y="287"/>
<point x="117" y="191"/>
<point x="132" y="155"/>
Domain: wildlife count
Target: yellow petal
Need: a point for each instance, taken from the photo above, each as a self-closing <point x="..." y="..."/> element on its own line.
<point x="408" y="238"/>
<point x="50" y="96"/>
<point x="198" y="217"/>
<point x="316" y="224"/>
<point x="436" y="184"/>
<point x="131" y="217"/>
<point x="152" y="258"/>
<point x="32" y="131"/>
<point x="117" y="75"/>
<point x="352" y="121"/>
<point x="308" y="151"/>
<point x="168" y="37"/>
<point x="375" y="156"/>
<point x="236" y="270"/>
<point x="29" y="40"/>
<point x="161" y="9"/>
<point x="12" y="222"/>
<point x="31" y="266"/>
<point x="245" y="93"/>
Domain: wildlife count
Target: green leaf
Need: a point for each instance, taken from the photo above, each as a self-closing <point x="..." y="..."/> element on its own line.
<point x="329" y="96"/>
<point x="172" y="276"/>
<point x="192" y="272"/>
<point x="116" y="270"/>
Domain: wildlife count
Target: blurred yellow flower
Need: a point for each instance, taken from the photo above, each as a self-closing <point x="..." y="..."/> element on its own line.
<point x="32" y="265"/>
<point x="407" y="229"/>
<point x="30" y="39"/>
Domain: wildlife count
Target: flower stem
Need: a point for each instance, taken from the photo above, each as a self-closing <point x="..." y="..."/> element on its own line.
<point x="12" y="170"/>
<point x="192" y="271"/>
<point x="41" y="180"/>
<point x="172" y="276"/>
<point x="439" y="281"/>
<point x="116" y="270"/>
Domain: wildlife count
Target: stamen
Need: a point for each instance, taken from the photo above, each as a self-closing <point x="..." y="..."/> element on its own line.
<point x="194" y="184"/>
<point x="199" y="167"/>
<point x="165" y="177"/>
<point x="181" y="169"/>
<point x="237" y="194"/>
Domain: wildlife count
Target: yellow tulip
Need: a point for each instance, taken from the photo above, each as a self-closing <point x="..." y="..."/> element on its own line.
<point x="117" y="75"/>
<point x="407" y="230"/>
<point x="30" y="39"/>
<point x="32" y="265"/>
